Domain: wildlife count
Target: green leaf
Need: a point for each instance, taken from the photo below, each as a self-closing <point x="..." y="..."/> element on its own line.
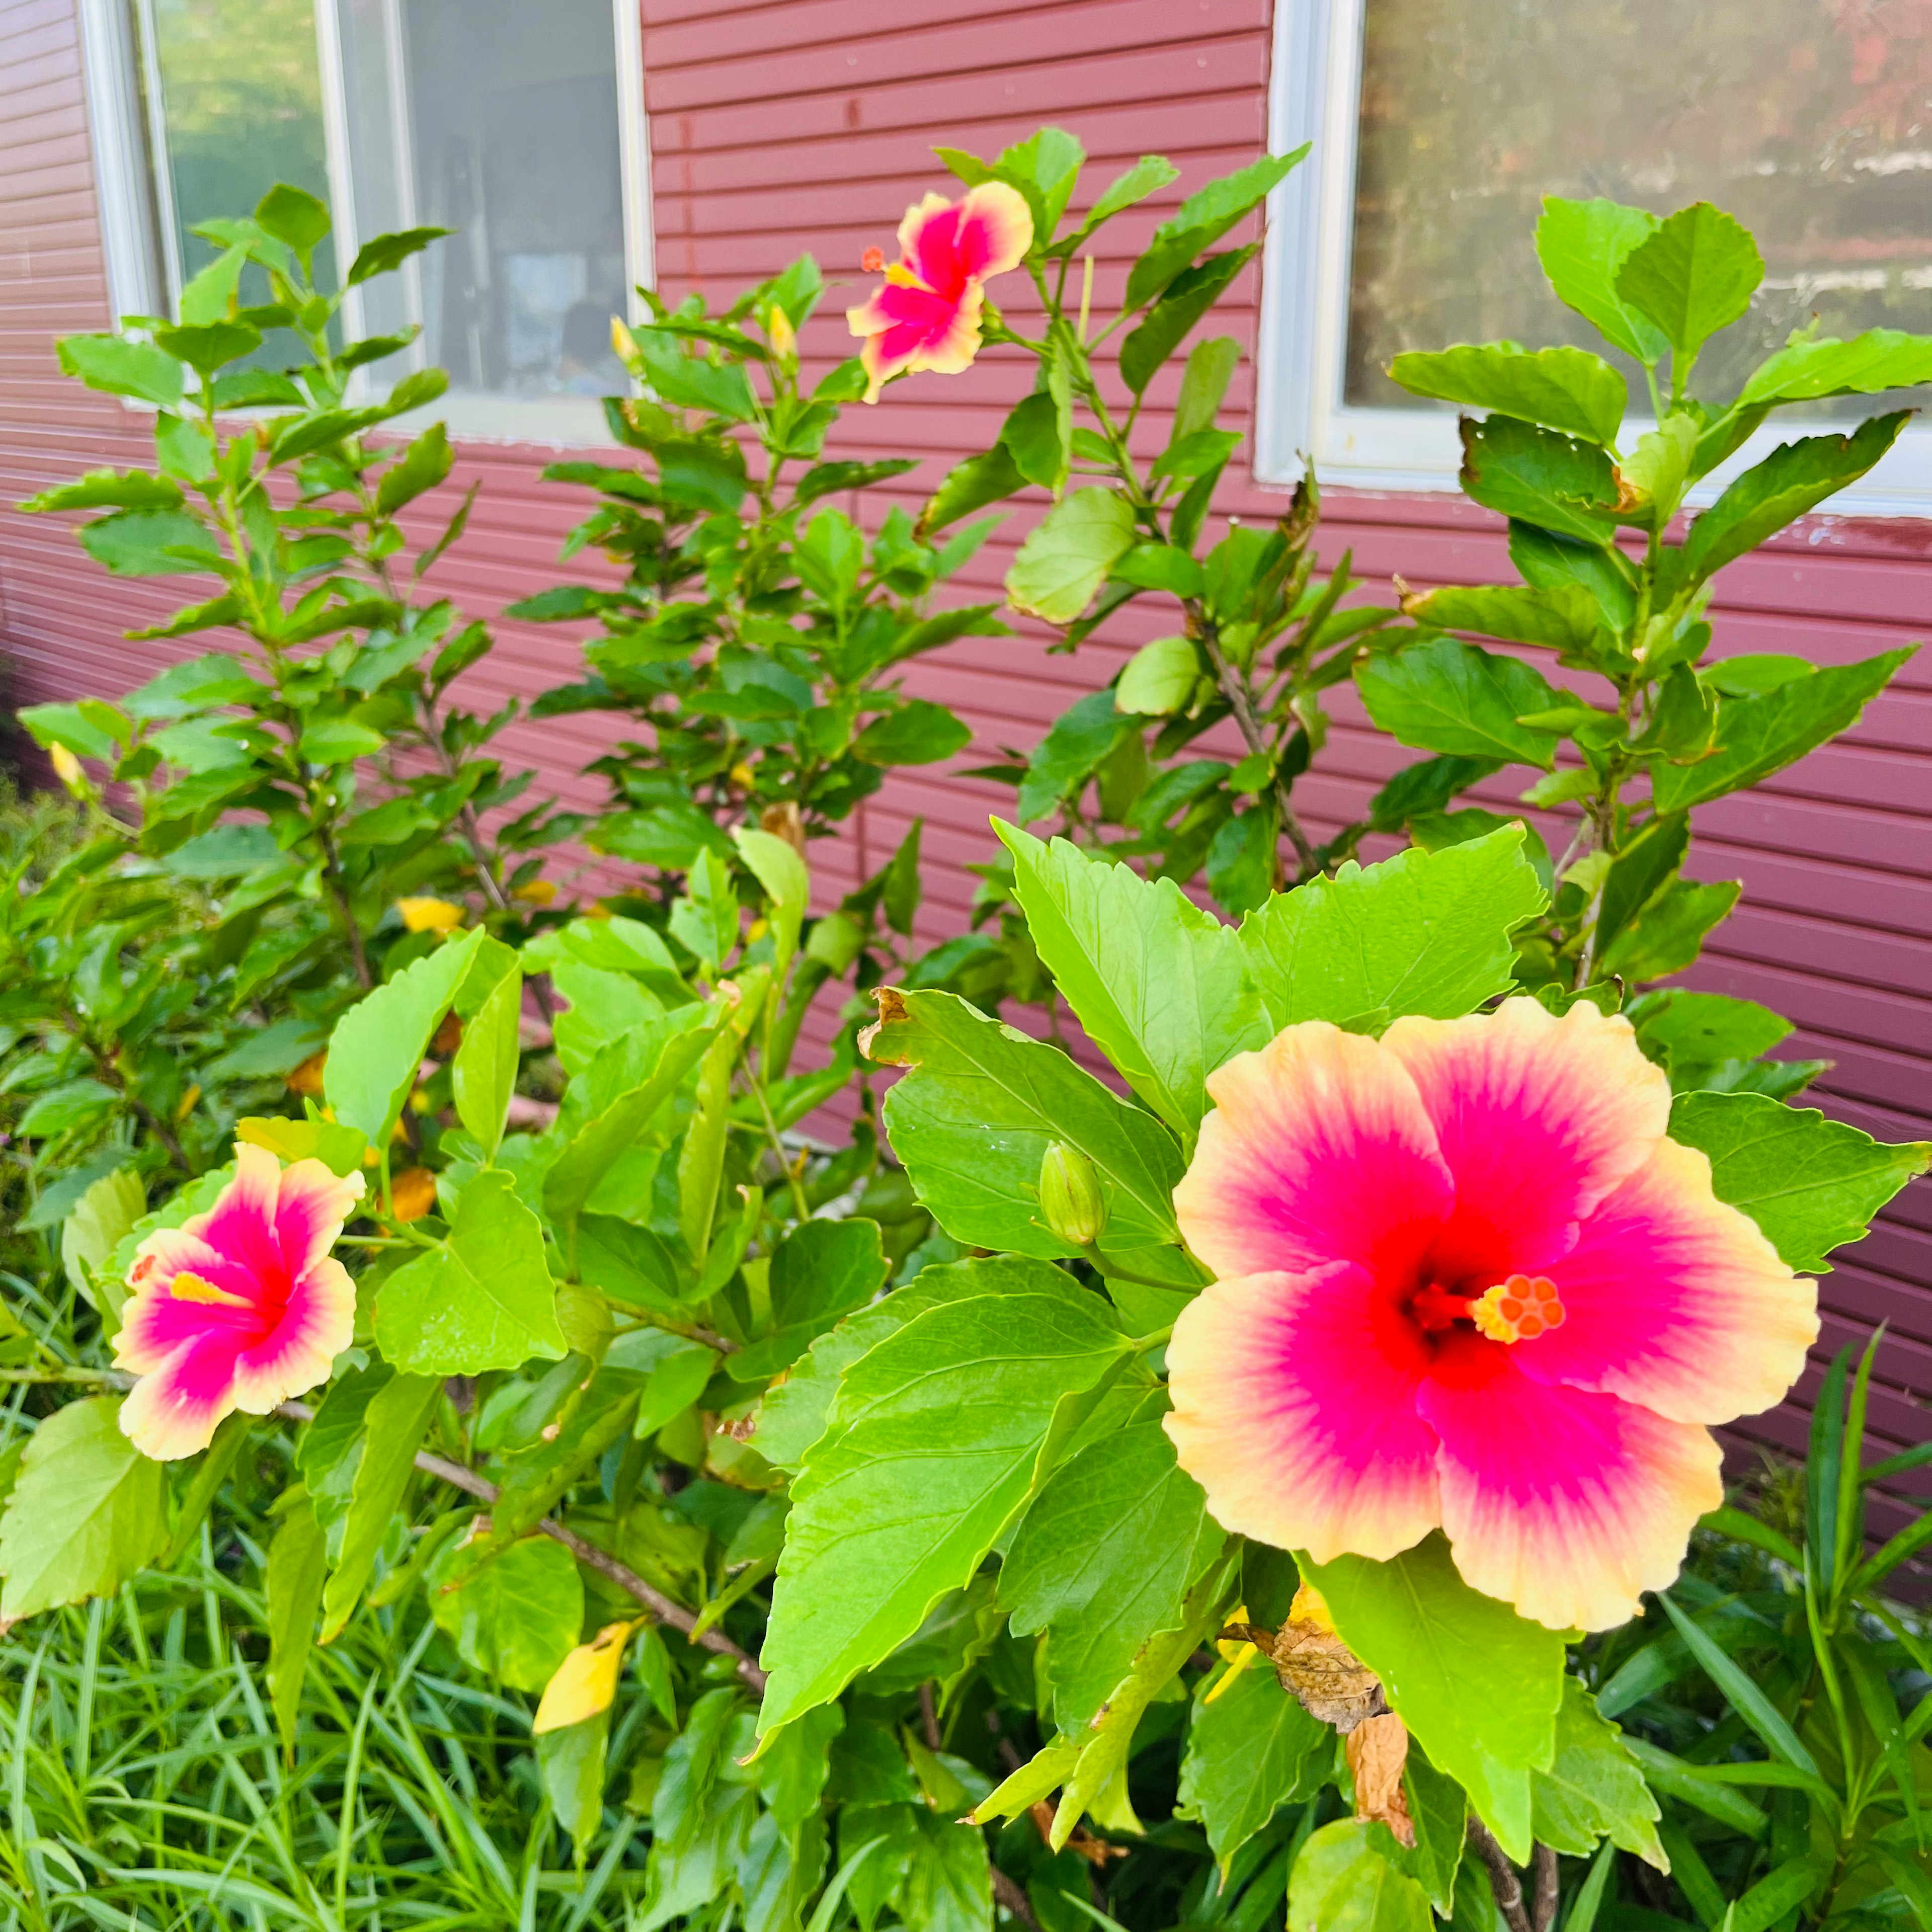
<point x="378" y="256"/>
<point x="292" y="215"/>
<point x="208" y="346"/>
<point x="337" y="741"/>
<point x="140" y="543"/>
<point x="1811" y="1184"/>
<point x="1160" y="678"/>
<point x="778" y="867"/>
<point x="936" y="1440"/>
<point x="1102" y="1560"/>
<point x="87" y="1511"/>
<point x="483" y="1075"/>
<point x="1582" y="246"/>
<point x="1565" y="389"/>
<point x="1676" y="1779"/>
<point x="1423" y="932"/>
<point x="1478" y="1684"/>
<point x="105" y="489"/>
<point x="1594" y="1789"/>
<point x="1554" y="483"/>
<point x="1794" y="477"/>
<point x="1250" y="1750"/>
<point x="517" y="1618"/>
<point x="1168" y="323"/>
<point x="792" y="1415"/>
<point x="1160" y="986"/>
<point x="1445" y="696"/>
<point x="1343" y="1882"/>
<point x="1148" y="176"/>
<point x="378" y="1044"/>
<point x="693" y="381"/>
<point x="1668" y="933"/>
<point x="1746" y="1697"/>
<point x="1210" y="367"/>
<point x="121" y="368"/>
<point x="705" y="919"/>
<point x="975" y="1116"/>
<point x="421" y="466"/>
<point x="1066" y="558"/>
<point x="483" y="1299"/>
<point x="101" y="1220"/>
<point x="1877" y="360"/>
<point x="1079" y="740"/>
<point x="1759" y="736"/>
<point x="1201" y="221"/>
<point x="917" y="733"/>
<point x="395" y="1422"/>
<point x="1564" y="619"/>
<point x="969" y="486"/>
<point x="1694" y="275"/>
<point x="1778" y="1896"/>
<point x="296" y="1567"/>
<point x="819" y="1271"/>
<point x="1439" y="1811"/>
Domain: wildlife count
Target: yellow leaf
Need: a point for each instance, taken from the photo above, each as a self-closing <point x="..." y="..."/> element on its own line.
<point x="537" y="892"/>
<point x="430" y="915"/>
<point x="411" y="1195"/>
<point x="306" y="1079"/>
<point x="585" y="1681"/>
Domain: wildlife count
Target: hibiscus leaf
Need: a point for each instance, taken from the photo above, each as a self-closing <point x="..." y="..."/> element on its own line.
<point x="484" y="1299"/>
<point x="1102" y="1560"/>
<point x="88" y="1510"/>
<point x="1479" y="1685"/>
<point x="1250" y="1750"/>
<point x="483" y="1073"/>
<point x="1565" y="389"/>
<point x="298" y="1564"/>
<point x="1811" y="1184"/>
<point x="378" y="1044"/>
<point x="1423" y="932"/>
<point x="1160" y="986"/>
<point x="516" y="1619"/>
<point x="395" y="1422"/>
<point x="935" y="1442"/>
<point x="1593" y="1788"/>
<point x="1066" y="557"/>
<point x="1443" y="696"/>
<point x="1344" y="1881"/>
<point x="974" y="1117"/>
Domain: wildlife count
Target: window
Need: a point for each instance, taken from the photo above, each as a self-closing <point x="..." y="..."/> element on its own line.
<point x="1438" y="125"/>
<point x="520" y="127"/>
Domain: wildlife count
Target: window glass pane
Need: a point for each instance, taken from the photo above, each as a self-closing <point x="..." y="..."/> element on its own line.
<point x="239" y="93"/>
<point x="503" y="127"/>
<point x="1809" y="120"/>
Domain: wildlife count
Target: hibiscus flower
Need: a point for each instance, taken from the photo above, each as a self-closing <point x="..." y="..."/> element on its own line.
<point x="1467" y="1281"/>
<point x="240" y="1307"/>
<point x="927" y="315"/>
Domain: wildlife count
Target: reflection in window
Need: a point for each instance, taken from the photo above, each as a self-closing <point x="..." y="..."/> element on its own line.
<point x="1809" y="120"/>
<point x="498" y="119"/>
<point x="233" y="93"/>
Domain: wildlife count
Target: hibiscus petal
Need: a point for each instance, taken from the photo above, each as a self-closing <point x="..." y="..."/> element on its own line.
<point x="311" y="1205"/>
<point x="910" y="329"/>
<point x="1318" y="1150"/>
<point x="927" y="234"/>
<point x="1566" y="1503"/>
<point x="1538" y="1118"/>
<point x="1673" y="1300"/>
<point x="155" y="1324"/>
<point x="169" y="1252"/>
<point x="175" y="1410"/>
<point x="241" y="1223"/>
<point x="995" y="230"/>
<point x="1295" y="1409"/>
<point x="318" y="1324"/>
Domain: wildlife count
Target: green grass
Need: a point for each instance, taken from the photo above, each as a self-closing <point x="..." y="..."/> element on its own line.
<point x="144" y="1785"/>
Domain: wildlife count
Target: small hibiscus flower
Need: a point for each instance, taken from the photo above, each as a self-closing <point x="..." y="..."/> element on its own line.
<point x="927" y="315"/>
<point x="240" y="1307"/>
<point x="1467" y="1282"/>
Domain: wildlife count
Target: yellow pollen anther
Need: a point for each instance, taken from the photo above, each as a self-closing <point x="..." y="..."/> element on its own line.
<point x="1518" y="1310"/>
<point x="187" y="1287"/>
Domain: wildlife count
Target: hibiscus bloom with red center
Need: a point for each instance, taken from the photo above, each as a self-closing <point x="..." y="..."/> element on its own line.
<point x="1467" y="1281"/>
<point x="239" y="1308"/>
<point x="927" y="314"/>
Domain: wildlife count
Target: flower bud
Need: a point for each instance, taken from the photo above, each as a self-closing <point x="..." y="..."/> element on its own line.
<point x="1069" y="1196"/>
<point x="784" y="338"/>
<point x="67" y="769"/>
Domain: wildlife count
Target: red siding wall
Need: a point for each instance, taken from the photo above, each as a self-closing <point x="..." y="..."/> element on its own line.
<point x="805" y="124"/>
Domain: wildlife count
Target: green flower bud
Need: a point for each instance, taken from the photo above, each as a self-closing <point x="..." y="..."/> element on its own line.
<point x="1070" y="1196"/>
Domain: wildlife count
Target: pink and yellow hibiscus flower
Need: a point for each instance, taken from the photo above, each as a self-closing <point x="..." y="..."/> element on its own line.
<point x="240" y="1307"/>
<point x="1467" y="1281"/>
<point x="927" y="315"/>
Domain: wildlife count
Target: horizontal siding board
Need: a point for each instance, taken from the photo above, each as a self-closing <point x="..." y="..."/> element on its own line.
<point x="795" y="123"/>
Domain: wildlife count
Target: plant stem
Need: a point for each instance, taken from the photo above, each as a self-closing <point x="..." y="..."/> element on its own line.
<point x="1232" y="689"/>
<point x="1504" y="1884"/>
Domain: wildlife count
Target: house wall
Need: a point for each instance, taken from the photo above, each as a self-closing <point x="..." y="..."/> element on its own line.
<point x="780" y="125"/>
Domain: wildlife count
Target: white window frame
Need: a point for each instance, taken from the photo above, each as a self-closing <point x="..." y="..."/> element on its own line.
<point x="1314" y="95"/>
<point x="137" y="228"/>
